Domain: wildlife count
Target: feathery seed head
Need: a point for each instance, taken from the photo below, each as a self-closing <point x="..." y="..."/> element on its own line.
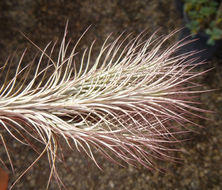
<point x="131" y="102"/>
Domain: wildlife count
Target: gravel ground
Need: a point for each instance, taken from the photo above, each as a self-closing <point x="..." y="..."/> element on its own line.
<point x="43" y="21"/>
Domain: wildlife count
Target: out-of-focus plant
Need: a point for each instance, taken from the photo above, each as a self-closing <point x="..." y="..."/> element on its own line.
<point x="205" y="16"/>
<point x="131" y="103"/>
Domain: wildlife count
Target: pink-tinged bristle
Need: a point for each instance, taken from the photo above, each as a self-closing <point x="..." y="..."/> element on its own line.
<point x="132" y="103"/>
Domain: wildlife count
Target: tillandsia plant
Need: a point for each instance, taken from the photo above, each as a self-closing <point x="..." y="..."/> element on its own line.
<point x="131" y="103"/>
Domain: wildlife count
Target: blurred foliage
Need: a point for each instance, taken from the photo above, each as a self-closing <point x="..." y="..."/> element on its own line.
<point x="205" y="16"/>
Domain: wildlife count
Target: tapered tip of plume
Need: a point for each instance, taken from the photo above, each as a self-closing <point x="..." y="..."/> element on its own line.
<point x="131" y="104"/>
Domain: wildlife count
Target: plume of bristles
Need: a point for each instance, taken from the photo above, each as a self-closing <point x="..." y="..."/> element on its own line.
<point x="131" y="103"/>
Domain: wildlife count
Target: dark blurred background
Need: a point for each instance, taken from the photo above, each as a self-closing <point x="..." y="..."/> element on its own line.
<point x="44" y="21"/>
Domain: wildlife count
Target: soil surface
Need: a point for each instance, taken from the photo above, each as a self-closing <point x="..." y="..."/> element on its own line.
<point x="44" y="21"/>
